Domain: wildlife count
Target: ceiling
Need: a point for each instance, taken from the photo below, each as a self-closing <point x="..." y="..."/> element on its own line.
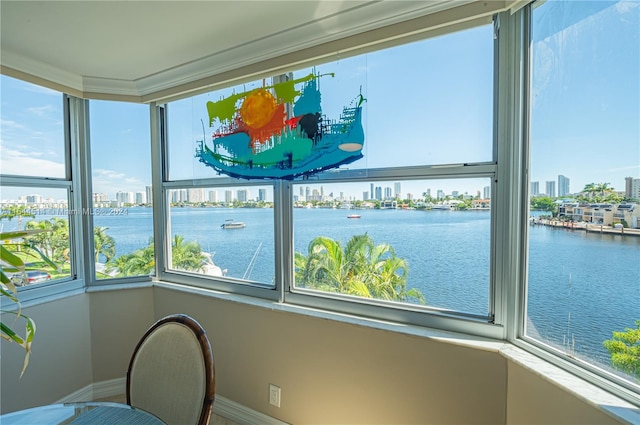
<point x="144" y="50"/>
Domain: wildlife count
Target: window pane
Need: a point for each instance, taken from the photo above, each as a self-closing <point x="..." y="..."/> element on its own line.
<point x="428" y="102"/>
<point x="224" y="231"/>
<point x="121" y="177"/>
<point x="431" y="239"/>
<point x="31" y="130"/>
<point x="584" y="274"/>
<point x="188" y="124"/>
<point x="438" y="110"/>
<point x="46" y="254"/>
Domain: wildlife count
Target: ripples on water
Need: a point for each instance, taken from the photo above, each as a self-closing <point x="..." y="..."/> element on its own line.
<point x="582" y="286"/>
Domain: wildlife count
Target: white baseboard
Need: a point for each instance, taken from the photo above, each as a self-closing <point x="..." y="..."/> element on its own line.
<point x="222" y="406"/>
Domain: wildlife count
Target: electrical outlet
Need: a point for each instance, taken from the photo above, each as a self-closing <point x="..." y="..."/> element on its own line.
<point x="274" y="395"/>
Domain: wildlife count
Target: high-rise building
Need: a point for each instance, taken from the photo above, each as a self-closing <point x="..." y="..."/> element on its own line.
<point x="213" y="196"/>
<point x="440" y="194"/>
<point x="195" y="195"/>
<point x="243" y="195"/>
<point x="365" y="195"/>
<point x="551" y="188"/>
<point x="563" y="186"/>
<point x="535" y="188"/>
<point x="149" y="191"/>
<point x="632" y="188"/>
<point x="486" y="192"/>
<point x="140" y="198"/>
<point x="378" y="193"/>
<point x="455" y="193"/>
<point x="262" y="195"/>
<point x="228" y="196"/>
<point x="397" y="193"/>
<point x="387" y="192"/>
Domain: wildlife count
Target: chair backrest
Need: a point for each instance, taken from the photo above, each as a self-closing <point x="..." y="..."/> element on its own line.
<point x="172" y="372"/>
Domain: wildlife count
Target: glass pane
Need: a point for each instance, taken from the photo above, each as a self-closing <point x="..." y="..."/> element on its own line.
<point x="121" y="177"/>
<point x="420" y="241"/>
<point x="584" y="244"/>
<point x="409" y="118"/>
<point x="417" y="97"/>
<point x="224" y="231"/>
<point x="46" y="254"/>
<point x="32" y="131"/>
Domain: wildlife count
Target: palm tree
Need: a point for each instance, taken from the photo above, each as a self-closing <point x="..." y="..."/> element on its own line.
<point x="103" y="244"/>
<point x="137" y="263"/>
<point x="16" y="211"/>
<point x="186" y="255"/>
<point x="361" y="269"/>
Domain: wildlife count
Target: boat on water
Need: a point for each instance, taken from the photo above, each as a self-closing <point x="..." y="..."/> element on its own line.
<point x="354" y="216"/>
<point x="262" y="136"/>
<point x="231" y="224"/>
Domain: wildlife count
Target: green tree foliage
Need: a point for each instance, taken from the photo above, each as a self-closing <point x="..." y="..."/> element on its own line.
<point x="104" y="244"/>
<point x="185" y="255"/>
<point x="361" y="269"/>
<point x="599" y="193"/>
<point x="624" y="349"/>
<point x="13" y="211"/>
<point x="53" y="241"/>
<point x="543" y="203"/>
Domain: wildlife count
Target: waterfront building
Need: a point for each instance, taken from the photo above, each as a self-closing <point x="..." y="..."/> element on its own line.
<point x="397" y="193"/>
<point x="195" y="195"/>
<point x="213" y="196"/>
<point x="228" y="196"/>
<point x="141" y="198"/>
<point x="243" y="195"/>
<point x="632" y="188"/>
<point x="378" y="193"/>
<point x="440" y="194"/>
<point x="481" y="204"/>
<point x="563" y="186"/>
<point x="262" y="195"/>
<point x="535" y="188"/>
<point x="551" y="189"/>
<point x="149" y="192"/>
<point x="486" y="192"/>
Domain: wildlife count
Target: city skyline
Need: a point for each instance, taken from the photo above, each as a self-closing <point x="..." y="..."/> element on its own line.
<point x="391" y="190"/>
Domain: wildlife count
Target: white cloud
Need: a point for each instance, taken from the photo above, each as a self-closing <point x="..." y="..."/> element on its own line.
<point x="24" y="163"/>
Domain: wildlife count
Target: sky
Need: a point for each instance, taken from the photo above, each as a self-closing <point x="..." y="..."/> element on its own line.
<point x="437" y="110"/>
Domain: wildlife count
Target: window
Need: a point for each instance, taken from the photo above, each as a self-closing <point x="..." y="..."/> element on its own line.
<point x="583" y="274"/>
<point x="35" y="188"/>
<point x="420" y="194"/>
<point x="224" y="232"/>
<point x="421" y="242"/>
<point x="122" y="210"/>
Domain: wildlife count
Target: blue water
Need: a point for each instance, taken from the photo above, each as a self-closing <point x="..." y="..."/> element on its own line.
<point x="582" y="286"/>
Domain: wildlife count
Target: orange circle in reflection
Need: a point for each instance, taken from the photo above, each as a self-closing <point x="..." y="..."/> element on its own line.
<point x="258" y="108"/>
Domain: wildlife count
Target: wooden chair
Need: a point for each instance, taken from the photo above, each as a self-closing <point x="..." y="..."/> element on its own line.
<point x="172" y="372"/>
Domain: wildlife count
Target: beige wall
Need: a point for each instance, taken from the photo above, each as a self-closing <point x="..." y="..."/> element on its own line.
<point x="330" y="372"/>
<point x="61" y="359"/>
<point x="336" y="373"/>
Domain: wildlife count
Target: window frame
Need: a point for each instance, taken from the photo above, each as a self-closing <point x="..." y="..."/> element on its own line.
<point x="74" y="126"/>
<point x="622" y="388"/>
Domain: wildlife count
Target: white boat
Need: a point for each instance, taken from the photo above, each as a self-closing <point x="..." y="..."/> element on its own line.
<point x="231" y="224"/>
<point x="353" y="216"/>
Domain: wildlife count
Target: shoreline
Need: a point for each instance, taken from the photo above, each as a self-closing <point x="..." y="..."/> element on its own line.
<point x="588" y="227"/>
